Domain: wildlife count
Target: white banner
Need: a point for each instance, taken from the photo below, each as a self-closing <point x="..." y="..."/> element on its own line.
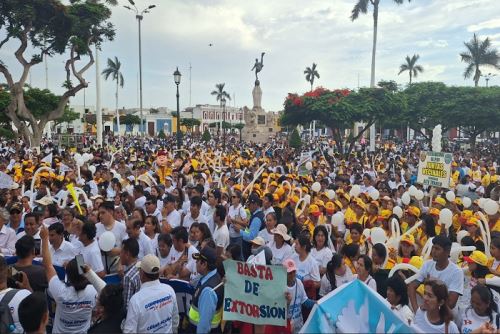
<point x="434" y="169"/>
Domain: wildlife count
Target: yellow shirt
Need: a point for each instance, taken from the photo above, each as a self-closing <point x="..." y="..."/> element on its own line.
<point x="486" y="180"/>
<point x="350" y="216"/>
<point x="455" y="176"/>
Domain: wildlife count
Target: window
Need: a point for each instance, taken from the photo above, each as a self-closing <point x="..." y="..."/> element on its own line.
<point x="261" y="119"/>
<point x="270" y="129"/>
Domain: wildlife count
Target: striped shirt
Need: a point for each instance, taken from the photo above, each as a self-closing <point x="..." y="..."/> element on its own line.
<point x="131" y="283"/>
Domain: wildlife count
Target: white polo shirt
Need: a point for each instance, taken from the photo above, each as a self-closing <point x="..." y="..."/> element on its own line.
<point x="153" y="309"/>
<point x="66" y="252"/>
<point x="120" y="232"/>
<point x="14" y="307"/>
<point x="92" y="256"/>
<point x="145" y="246"/>
<point x="74" y="308"/>
<point x="174" y="218"/>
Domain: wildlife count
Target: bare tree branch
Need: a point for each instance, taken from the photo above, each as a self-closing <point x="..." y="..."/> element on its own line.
<point x="5" y="40"/>
<point x="7" y="75"/>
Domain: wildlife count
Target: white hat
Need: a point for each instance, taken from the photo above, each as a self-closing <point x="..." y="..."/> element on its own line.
<point x="281" y="230"/>
<point x="150" y="264"/>
<point x="46" y="200"/>
<point x="14" y="186"/>
<point x="259" y="241"/>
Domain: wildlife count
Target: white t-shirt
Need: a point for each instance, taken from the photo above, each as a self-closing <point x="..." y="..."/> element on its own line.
<point x="74" y="308"/>
<point x="221" y="236"/>
<point x="322" y="257"/>
<point x="325" y="286"/>
<point x="299" y="296"/>
<point x="280" y="254"/>
<point x="268" y="237"/>
<point x="66" y="252"/>
<point x="469" y="320"/>
<point x="370" y="282"/>
<point x="92" y="256"/>
<point x="307" y="270"/>
<point x="120" y="232"/>
<point x="152" y="309"/>
<point x="14" y="307"/>
<point x="140" y="202"/>
<point x="174" y="255"/>
<point x="188" y="220"/>
<point x="231" y="214"/>
<point x="174" y="218"/>
<point x="425" y="326"/>
<point x="404" y="313"/>
<point x="145" y="246"/>
<point x="452" y="275"/>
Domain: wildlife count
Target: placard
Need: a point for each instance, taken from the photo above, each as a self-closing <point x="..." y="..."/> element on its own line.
<point x="255" y="293"/>
<point x="434" y="169"/>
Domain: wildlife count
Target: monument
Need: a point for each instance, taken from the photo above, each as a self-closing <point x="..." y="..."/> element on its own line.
<point x="260" y="125"/>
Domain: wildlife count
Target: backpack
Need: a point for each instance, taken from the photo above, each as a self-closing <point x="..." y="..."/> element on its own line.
<point x="6" y="321"/>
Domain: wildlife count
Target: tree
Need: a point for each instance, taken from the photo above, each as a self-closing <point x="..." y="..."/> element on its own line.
<point x="239" y="127"/>
<point x="390" y="85"/>
<point x="340" y="109"/>
<point x="220" y="94"/>
<point x="47" y="28"/>
<point x="69" y="116"/>
<point x="206" y="136"/>
<point x="295" y="141"/>
<point x="311" y="73"/>
<point x="411" y="66"/>
<point x="161" y="134"/>
<point x="362" y="7"/>
<point x="190" y="123"/>
<point x="113" y="70"/>
<point x="479" y="53"/>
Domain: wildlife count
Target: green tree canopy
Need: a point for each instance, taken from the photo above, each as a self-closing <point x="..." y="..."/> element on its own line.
<point x="130" y="119"/>
<point x="295" y="141"/>
<point x="206" y="136"/>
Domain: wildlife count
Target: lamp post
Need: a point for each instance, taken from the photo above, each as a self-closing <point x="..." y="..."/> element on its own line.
<point x="487" y="77"/>
<point x="240" y="116"/>
<point x="177" y="80"/>
<point x="223" y="102"/>
<point x="139" y="15"/>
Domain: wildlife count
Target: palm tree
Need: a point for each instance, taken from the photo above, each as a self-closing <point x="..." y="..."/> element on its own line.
<point x="362" y="7"/>
<point x="113" y="70"/>
<point x="311" y="73"/>
<point x="479" y="53"/>
<point x="220" y="94"/>
<point x="411" y="66"/>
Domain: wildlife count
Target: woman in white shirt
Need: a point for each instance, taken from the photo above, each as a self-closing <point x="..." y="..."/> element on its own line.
<point x="266" y="233"/>
<point x="307" y="267"/>
<point x="151" y="230"/>
<point x="280" y="247"/>
<point x="320" y="251"/>
<point x="434" y="316"/>
<point x="236" y="215"/>
<point x="364" y="270"/>
<point x="481" y="310"/>
<point x="397" y="296"/>
<point x="337" y="274"/>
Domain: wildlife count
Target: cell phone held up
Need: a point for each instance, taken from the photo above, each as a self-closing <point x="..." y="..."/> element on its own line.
<point x="80" y="263"/>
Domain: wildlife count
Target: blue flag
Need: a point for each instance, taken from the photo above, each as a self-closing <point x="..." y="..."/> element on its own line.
<point x="354" y="308"/>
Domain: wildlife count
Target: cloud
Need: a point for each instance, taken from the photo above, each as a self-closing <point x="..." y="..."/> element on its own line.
<point x="490" y="24"/>
<point x="440" y="43"/>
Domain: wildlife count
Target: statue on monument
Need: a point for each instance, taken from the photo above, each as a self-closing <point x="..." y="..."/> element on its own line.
<point x="258" y="67"/>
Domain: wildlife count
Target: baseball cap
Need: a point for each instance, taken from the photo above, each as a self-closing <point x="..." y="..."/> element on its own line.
<point x="413" y="210"/>
<point x="415" y="261"/>
<point x="289" y="265"/>
<point x="472" y="221"/>
<point x="434" y="211"/>
<point x="150" y="264"/>
<point x="477" y="257"/>
<point x="409" y="239"/>
<point x="439" y="200"/>
<point x="207" y="254"/>
<point x="313" y="209"/>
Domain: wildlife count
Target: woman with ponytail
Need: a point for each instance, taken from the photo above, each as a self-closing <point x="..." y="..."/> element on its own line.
<point x="434" y="315"/>
<point x="337" y="274"/>
<point x="482" y="309"/>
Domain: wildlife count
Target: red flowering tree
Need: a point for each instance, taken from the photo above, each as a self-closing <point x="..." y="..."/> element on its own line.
<point x="339" y="109"/>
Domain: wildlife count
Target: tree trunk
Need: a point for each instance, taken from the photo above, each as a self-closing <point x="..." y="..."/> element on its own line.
<point x="374" y="46"/>
<point x="117" y="114"/>
<point x="35" y="136"/>
<point x="410" y="77"/>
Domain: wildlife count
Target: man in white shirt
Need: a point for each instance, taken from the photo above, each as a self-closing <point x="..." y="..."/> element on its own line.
<point x="172" y="216"/>
<point x="154" y="307"/>
<point x="221" y="232"/>
<point x="440" y="267"/>
<point x="194" y="214"/>
<point x="61" y="250"/>
<point x="134" y="231"/>
<point x="140" y="199"/>
<point x="90" y="250"/>
<point x="151" y="207"/>
<point x="7" y="235"/>
<point x="267" y="204"/>
<point x="108" y="223"/>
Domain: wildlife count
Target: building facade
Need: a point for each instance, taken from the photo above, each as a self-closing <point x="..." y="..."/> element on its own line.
<point x="211" y="116"/>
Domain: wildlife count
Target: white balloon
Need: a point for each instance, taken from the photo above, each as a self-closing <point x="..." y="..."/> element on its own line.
<point x="377" y="235"/>
<point x="419" y="195"/>
<point x="338" y="219"/>
<point x="490" y="207"/>
<point x="405" y="198"/>
<point x="481" y="202"/>
<point x="307" y="198"/>
<point x="79" y="161"/>
<point x="316" y="187"/>
<point x="92" y="169"/>
<point x="367" y="233"/>
<point x="450" y="196"/>
<point x="107" y="241"/>
<point x="309" y="165"/>
<point x="331" y="194"/>
<point x="413" y="191"/>
<point x="77" y="156"/>
<point x="355" y="190"/>
<point x="398" y="211"/>
<point x="460" y="235"/>
<point x="374" y="194"/>
<point x="466" y="201"/>
<point x="446" y="217"/>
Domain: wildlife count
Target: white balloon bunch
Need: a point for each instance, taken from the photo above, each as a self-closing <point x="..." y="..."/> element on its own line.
<point x="436" y="138"/>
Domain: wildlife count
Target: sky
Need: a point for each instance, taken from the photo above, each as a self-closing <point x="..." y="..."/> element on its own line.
<point x="292" y="33"/>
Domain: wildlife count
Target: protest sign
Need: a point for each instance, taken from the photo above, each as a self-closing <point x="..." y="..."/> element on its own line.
<point x="434" y="169"/>
<point x="255" y="293"/>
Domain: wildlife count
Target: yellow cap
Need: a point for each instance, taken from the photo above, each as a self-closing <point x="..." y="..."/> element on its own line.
<point x="477" y="257"/>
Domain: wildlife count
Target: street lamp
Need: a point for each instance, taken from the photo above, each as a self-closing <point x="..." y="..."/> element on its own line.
<point x="241" y="128"/>
<point x="223" y="102"/>
<point x="177" y="80"/>
<point x="139" y="15"/>
<point x="487" y="77"/>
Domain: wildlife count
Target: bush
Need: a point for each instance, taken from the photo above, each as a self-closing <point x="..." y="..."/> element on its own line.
<point x="295" y="141"/>
<point x="161" y="134"/>
<point x="206" y="136"/>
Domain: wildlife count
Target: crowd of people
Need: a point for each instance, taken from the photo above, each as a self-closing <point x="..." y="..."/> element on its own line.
<point x="178" y="214"/>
